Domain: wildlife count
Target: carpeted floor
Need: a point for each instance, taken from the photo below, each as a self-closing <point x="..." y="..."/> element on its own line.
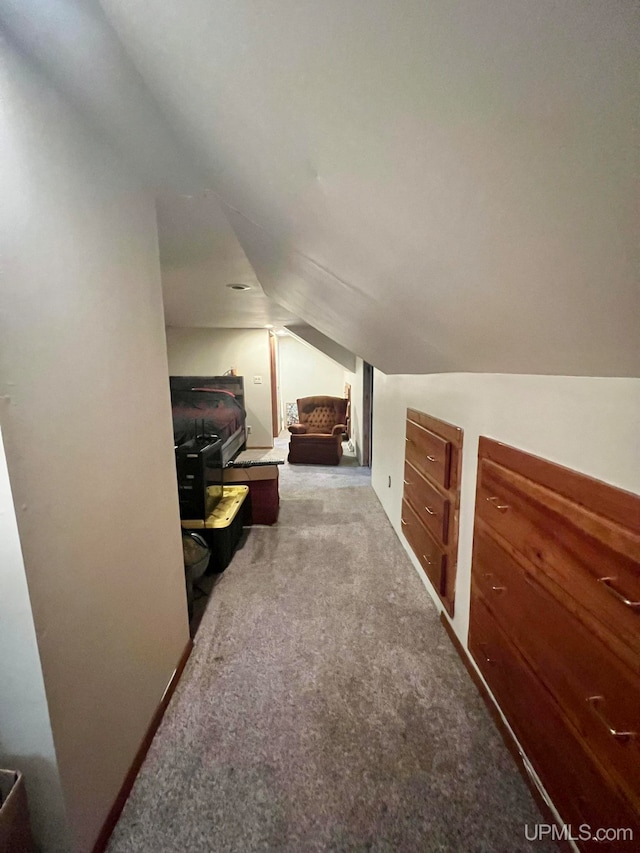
<point x="324" y="707"/>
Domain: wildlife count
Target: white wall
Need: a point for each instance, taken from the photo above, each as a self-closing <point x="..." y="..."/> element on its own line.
<point x="88" y="441"/>
<point x="26" y="741"/>
<point x="211" y="352"/>
<point x="589" y="424"/>
<point x="306" y="372"/>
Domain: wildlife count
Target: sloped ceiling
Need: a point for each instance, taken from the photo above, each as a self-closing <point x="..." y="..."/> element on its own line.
<point x="199" y="257"/>
<point x="436" y="186"/>
<point x="311" y="336"/>
<point x="78" y="52"/>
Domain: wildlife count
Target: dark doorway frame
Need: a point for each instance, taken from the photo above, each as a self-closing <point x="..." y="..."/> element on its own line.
<point x="367" y="413"/>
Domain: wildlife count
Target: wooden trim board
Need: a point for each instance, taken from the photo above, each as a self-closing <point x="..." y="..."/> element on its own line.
<point x="508" y="738"/>
<point x="444" y="429"/>
<point x="273" y="376"/>
<point x="618" y="505"/>
<point x="116" y="809"/>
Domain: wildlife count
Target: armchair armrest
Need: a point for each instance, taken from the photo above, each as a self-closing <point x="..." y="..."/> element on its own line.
<point x="297" y="429"/>
<point x="339" y="429"/>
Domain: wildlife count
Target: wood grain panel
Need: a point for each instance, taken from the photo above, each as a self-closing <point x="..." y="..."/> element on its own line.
<point x="555" y="629"/>
<point x="432" y="558"/>
<point x="433" y="452"/>
<point x="429" y="453"/>
<point x="576" y="784"/>
<point x="575" y="665"/>
<point x="429" y="504"/>
<point x="575" y="546"/>
<point x="507" y="735"/>
<point x="448" y="431"/>
<point x="617" y="505"/>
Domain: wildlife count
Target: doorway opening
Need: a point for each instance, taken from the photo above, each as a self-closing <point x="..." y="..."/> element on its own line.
<point x="367" y="414"/>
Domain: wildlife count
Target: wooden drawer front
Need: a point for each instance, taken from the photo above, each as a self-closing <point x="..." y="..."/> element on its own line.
<point x="429" y="453"/>
<point x="427" y="502"/>
<point x="581" y="792"/>
<point x="595" y="690"/>
<point x="574" y="546"/>
<point x="432" y="558"/>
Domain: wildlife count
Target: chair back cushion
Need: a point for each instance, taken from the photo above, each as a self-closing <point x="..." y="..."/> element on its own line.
<point x="321" y="414"/>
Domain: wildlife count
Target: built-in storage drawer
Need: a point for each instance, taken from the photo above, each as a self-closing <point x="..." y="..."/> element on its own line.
<point x="432" y="558"/>
<point x="555" y="628"/>
<point x="598" y="693"/>
<point x="429" y="453"/>
<point x="592" y="558"/>
<point x="431" y="499"/>
<point x="580" y="790"/>
<point x="427" y="502"/>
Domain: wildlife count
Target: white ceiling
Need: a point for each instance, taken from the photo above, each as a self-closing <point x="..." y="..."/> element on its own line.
<point x="81" y="54"/>
<point x="436" y="186"/>
<point x="200" y="255"/>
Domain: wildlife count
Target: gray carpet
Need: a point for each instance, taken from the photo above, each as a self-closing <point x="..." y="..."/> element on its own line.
<point x="324" y="707"/>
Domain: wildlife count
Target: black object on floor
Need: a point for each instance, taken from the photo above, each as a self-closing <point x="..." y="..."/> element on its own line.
<point x="223" y="542"/>
<point x="196" y="554"/>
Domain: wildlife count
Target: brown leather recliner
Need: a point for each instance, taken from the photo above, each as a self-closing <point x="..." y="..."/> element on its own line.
<point x="317" y="438"/>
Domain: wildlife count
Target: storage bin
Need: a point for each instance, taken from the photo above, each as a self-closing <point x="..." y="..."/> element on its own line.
<point x="223" y="528"/>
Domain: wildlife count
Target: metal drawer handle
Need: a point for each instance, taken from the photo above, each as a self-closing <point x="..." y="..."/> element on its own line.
<point x="608" y="583"/>
<point x="484" y="646"/>
<point x="494" y="501"/>
<point x="594" y="704"/>
<point x="430" y="511"/>
<point x="488" y="576"/>
<point x="408" y="439"/>
<point x="431" y="458"/>
<point x="424" y="557"/>
<point x="406" y="482"/>
<point x="405" y="523"/>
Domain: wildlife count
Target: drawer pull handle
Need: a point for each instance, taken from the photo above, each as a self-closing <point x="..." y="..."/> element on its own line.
<point x="594" y="703"/>
<point x="424" y="557"/>
<point x="485" y="646"/>
<point x="494" y="501"/>
<point x="406" y="482"/>
<point x="430" y="511"/>
<point x="403" y="522"/>
<point x="432" y="458"/>
<point x="488" y="576"/>
<point x="608" y="583"/>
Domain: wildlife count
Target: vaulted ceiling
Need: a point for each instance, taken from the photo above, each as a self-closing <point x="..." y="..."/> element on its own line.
<point x="202" y="263"/>
<point x="435" y="186"/>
